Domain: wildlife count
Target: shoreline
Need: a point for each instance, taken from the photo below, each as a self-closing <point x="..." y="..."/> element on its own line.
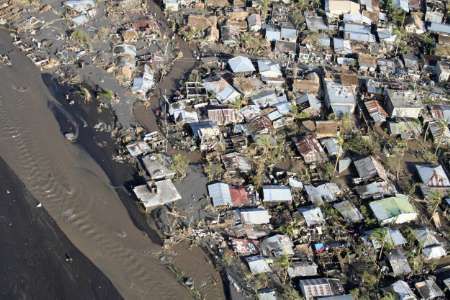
<point x="73" y="189"/>
<point x="39" y="259"/>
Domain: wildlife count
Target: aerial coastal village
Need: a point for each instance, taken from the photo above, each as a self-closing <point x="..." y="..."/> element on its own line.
<point x="305" y="146"/>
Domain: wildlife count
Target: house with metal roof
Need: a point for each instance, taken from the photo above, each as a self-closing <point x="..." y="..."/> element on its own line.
<point x="320" y="287"/>
<point x="402" y="290"/>
<point x="220" y="194"/>
<point x="313" y="216"/>
<point x="348" y="211"/>
<point x="223" y="91"/>
<point x="277" y="245"/>
<point x="428" y="289"/>
<point x="399" y="262"/>
<point x="403" y="104"/>
<point x="393" y="236"/>
<point x="433" y="178"/>
<point x="358" y="33"/>
<point x="272" y="33"/>
<point x="288" y="33"/>
<point x="310" y="149"/>
<point x="376" y="190"/>
<point x="369" y="168"/>
<point x="342" y="46"/>
<point x="241" y="64"/>
<point x="393" y="210"/>
<point x="254" y="216"/>
<point x="276" y="194"/>
<point x="254" y="22"/>
<point x="440" y="112"/>
<point x="269" y="70"/>
<point x="302" y="268"/>
<point x="326" y="192"/>
<point x="259" y="264"/>
<point x="341" y="99"/>
<point x="439" y="28"/>
<point x="310" y="104"/>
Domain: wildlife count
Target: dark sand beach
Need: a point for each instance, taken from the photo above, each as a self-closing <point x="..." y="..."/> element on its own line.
<point x="38" y="261"/>
<point x="73" y="188"/>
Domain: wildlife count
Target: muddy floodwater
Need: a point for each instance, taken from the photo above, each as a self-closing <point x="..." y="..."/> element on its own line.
<point x="72" y="188"/>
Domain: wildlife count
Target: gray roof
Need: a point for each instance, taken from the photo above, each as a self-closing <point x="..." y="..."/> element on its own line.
<point x="376" y="190"/>
<point x="402" y="289"/>
<point x="439" y="28"/>
<point x="433" y="176"/>
<point x="272" y="33"/>
<point x="265" y="98"/>
<point x="327" y="192"/>
<point x="241" y="64"/>
<point x="399" y="262"/>
<point x="223" y="91"/>
<point x="349" y="211"/>
<point x="369" y="167"/>
<point x="277" y="245"/>
<point x="220" y="194"/>
<point x="403" y="98"/>
<point x="428" y="289"/>
<point x="340" y="98"/>
<point x="315" y="23"/>
<point x="258" y="264"/>
<point x="288" y="34"/>
<point x="269" y="66"/>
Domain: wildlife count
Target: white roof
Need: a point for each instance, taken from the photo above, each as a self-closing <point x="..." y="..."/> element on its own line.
<point x="220" y="194"/>
<point x="434" y="252"/>
<point x="223" y="91"/>
<point x="276" y="193"/>
<point x="80" y="5"/>
<point x="258" y="264"/>
<point x="402" y="289"/>
<point x="165" y="192"/>
<point x="241" y="64"/>
<point x="313" y="216"/>
<point x="255" y="216"/>
<point x="266" y="66"/>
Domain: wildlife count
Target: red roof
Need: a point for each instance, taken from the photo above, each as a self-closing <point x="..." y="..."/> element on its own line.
<point x="239" y="196"/>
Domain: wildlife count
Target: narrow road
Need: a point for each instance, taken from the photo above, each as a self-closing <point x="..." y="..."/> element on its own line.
<point x="168" y="85"/>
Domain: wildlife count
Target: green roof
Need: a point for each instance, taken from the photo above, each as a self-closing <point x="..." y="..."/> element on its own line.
<point x="391" y="207"/>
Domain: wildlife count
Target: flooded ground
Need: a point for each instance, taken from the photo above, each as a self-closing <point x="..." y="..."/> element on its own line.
<point x="38" y="261"/>
<point x="73" y="189"/>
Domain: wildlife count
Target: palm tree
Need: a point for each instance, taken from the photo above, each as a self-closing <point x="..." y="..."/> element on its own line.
<point x="283" y="262"/>
<point x="340" y="141"/>
<point x="442" y="128"/>
<point x="381" y="236"/>
<point x="434" y="199"/>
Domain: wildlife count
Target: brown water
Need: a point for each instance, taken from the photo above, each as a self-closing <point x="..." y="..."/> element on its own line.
<point x="73" y="188"/>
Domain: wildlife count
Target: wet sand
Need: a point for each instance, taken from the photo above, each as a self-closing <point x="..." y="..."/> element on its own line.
<point x="73" y="188"/>
<point x="38" y="261"/>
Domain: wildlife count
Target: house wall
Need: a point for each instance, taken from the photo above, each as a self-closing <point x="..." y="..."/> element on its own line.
<point x="406" y="112"/>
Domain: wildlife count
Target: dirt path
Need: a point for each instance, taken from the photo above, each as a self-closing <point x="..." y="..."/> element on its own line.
<point x="168" y="85"/>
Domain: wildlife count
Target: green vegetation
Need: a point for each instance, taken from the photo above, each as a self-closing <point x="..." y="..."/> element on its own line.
<point x="180" y="165"/>
<point x="107" y="95"/>
<point x="213" y="170"/>
<point x="80" y="37"/>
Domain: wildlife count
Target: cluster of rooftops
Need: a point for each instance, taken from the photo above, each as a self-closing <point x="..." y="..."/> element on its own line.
<point x="292" y="131"/>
